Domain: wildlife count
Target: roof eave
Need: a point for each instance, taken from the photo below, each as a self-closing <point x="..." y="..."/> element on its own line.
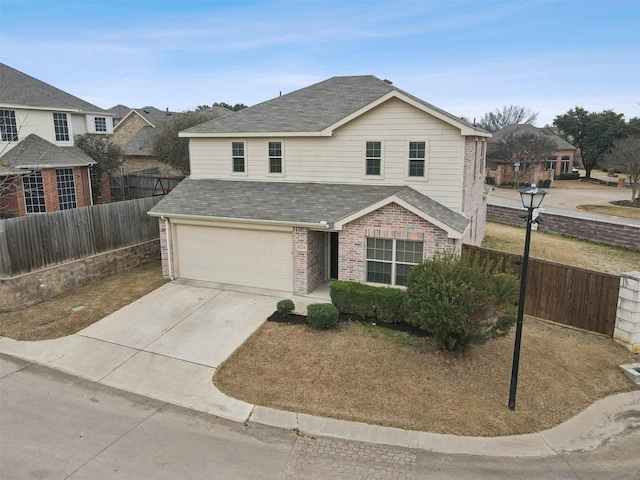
<point x="316" y="225"/>
<point x="251" y="134"/>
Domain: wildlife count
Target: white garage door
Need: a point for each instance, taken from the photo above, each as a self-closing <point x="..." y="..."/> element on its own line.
<point x="253" y="258"/>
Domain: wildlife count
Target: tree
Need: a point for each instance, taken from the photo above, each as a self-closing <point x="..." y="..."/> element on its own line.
<point x="108" y="156"/>
<point x="173" y="150"/>
<point x="509" y="115"/>
<point x="234" y="108"/>
<point x="625" y="158"/>
<point x="525" y="148"/>
<point x="593" y="133"/>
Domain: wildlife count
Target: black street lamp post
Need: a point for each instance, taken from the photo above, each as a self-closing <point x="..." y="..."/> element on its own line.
<point x="531" y="199"/>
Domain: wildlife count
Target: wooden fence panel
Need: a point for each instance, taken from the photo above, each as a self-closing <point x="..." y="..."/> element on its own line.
<point x="37" y="241"/>
<point x="561" y="293"/>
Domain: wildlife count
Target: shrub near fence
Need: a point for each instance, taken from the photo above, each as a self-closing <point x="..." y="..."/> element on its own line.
<point x="561" y="293"/>
<point x="38" y="241"/>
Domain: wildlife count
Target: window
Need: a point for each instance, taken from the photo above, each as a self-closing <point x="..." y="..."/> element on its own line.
<point x="565" y="165"/>
<point x="8" y="126"/>
<point x="61" y="127"/>
<point x="389" y="260"/>
<point x="373" y="158"/>
<point x="275" y="157"/>
<point x="417" y="156"/>
<point x="551" y="163"/>
<point x="483" y="147"/>
<point x="101" y="124"/>
<point x="66" y="188"/>
<point x="34" y="193"/>
<point x="237" y="152"/>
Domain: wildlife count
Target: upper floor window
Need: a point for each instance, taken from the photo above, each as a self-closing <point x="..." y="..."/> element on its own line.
<point x="417" y="158"/>
<point x="275" y="157"/>
<point x="389" y="260"/>
<point x="8" y="126"/>
<point x="61" y="127"/>
<point x="100" y="124"/>
<point x="33" y="189"/>
<point x="66" y="188"/>
<point x="237" y="152"/>
<point x="373" y="158"/>
<point x="483" y="149"/>
<point x="551" y="163"/>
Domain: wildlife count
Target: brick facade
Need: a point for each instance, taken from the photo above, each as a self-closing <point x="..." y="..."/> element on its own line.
<point x="503" y="173"/>
<point x="126" y="129"/>
<point x="164" y="248"/>
<point x="474" y="205"/>
<point x="390" y="221"/>
<point x="309" y="259"/>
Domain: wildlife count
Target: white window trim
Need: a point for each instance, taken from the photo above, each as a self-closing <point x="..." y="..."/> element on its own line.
<point x="364" y="160"/>
<point x="282" y="152"/>
<point x="24" y="197"/>
<point x="106" y="125"/>
<point x="69" y="129"/>
<point x="246" y="158"/>
<point x="426" y="160"/>
<point x="394" y="263"/>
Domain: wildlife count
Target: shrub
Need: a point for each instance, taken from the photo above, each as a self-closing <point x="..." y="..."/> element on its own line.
<point x="491" y="180"/>
<point x="285" y="307"/>
<point x="322" y="316"/>
<point x="568" y="176"/>
<point x="460" y="301"/>
<point x="544" y="183"/>
<point x="384" y="304"/>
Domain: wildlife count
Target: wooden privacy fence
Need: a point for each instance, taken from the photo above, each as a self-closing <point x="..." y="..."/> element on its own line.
<point x="37" y="241"/>
<point x="561" y="293"/>
<point x="136" y="185"/>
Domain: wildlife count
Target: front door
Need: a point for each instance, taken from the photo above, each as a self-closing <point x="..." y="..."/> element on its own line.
<point x="333" y="255"/>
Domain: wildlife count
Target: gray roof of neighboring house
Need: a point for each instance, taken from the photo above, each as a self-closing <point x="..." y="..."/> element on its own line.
<point x="35" y="152"/>
<point x="119" y="111"/>
<point x="141" y="143"/>
<point x="11" y="171"/>
<point x="522" y="128"/>
<point x="291" y="202"/>
<point x="311" y="109"/>
<point x="20" y="89"/>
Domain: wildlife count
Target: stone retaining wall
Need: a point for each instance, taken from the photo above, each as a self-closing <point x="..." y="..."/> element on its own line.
<point x="626" y="236"/>
<point x="25" y="290"/>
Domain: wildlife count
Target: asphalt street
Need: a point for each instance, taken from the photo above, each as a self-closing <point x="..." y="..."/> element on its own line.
<point x="57" y="426"/>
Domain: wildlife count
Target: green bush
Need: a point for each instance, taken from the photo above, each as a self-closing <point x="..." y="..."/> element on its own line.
<point x="285" y="307"/>
<point x="491" y="180"/>
<point x="568" y="176"/>
<point x="460" y="301"/>
<point x="384" y="304"/>
<point x="322" y="316"/>
<point x="544" y="183"/>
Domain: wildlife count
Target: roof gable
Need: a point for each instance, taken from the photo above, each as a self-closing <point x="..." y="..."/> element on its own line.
<point x="523" y="128"/>
<point x="36" y="153"/>
<point x="19" y="89"/>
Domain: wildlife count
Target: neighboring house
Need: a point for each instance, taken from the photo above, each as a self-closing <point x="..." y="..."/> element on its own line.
<point x="349" y="179"/>
<point x="561" y="161"/>
<point x="37" y="126"/>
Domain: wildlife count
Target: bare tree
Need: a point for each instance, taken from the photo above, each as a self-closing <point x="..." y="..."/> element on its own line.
<point x="509" y="115"/>
<point x="625" y="158"/>
<point x="525" y="148"/>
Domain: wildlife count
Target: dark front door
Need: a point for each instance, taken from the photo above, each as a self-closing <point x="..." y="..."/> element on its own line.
<point x="333" y="254"/>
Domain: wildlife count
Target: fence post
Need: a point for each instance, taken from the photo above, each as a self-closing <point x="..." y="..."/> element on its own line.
<point x="627" y="329"/>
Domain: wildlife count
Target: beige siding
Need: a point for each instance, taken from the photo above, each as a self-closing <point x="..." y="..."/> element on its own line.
<point x="340" y="158"/>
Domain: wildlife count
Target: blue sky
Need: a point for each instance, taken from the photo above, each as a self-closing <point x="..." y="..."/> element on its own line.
<point x="465" y="57"/>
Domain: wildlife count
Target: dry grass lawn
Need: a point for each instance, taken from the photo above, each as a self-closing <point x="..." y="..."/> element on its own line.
<point x="557" y="248"/>
<point x="379" y="376"/>
<point x="55" y="318"/>
<point x="612" y="210"/>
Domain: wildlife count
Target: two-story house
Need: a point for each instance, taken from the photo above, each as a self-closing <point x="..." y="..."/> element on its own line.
<point x="37" y="126"/>
<point x="350" y="179"/>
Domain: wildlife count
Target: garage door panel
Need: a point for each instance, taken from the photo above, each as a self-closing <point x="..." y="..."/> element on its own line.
<point x="254" y="258"/>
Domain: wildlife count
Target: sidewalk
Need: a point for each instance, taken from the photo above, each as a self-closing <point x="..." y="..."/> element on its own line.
<point x="168" y="344"/>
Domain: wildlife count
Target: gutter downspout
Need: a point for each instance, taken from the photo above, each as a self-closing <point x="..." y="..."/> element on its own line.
<point x="169" y="250"/>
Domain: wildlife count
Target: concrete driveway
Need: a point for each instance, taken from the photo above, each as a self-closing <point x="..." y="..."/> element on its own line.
<point x="166" y="345"/>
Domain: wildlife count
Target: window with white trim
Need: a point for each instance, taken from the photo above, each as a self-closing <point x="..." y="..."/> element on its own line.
<point x="33" y="189"/>
<point x="100" y="124"/>
<point x="8" y="126"/>
<point x="61" y="127"/>
<point x="565" y="165"/>
<point x="275" y="157"/>
<point x="373" y="158"/>
<point x="66" y="188"/>
<point x="417" y="159"/>
<point x="237" y="153"/>
<point x="389" y="260"/>
<point x="551" y="163"/>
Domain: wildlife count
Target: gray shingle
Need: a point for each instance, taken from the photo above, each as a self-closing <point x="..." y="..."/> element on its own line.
<point x="290" y="202"/>
<point x="17" y="88"/>
<point x="35" y="152"/>
<point x="519" y="129"/>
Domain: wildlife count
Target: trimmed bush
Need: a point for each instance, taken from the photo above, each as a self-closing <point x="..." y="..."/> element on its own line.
<point x="491" y="180"/>
<point x="544" y="183"/>
<point x="459" y="301"/>
<point x="568" y="176"/>
<point x="285" y="307"/>
<point x="322" y="316"/>
<point x="384" y="304"/>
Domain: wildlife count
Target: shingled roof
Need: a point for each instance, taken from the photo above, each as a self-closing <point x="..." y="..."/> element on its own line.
<point x="293" y="203"/>
<point x="35" y="152"/>
<point x="315" y="108"/>
<point x="522" y="128"/>
<point x="18" y="89"/>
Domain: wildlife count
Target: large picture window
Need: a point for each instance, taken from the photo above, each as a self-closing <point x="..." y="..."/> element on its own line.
<point x="237" y="152"/>
<point x="61" y="127"/>
<point x="373" y="158"/>
<point x="33" y="188"/>
<point x="8" y="126"/>
<point x="417" y="158"/>
<point x="66" y="188"/>
<point x="390" y="260"/>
